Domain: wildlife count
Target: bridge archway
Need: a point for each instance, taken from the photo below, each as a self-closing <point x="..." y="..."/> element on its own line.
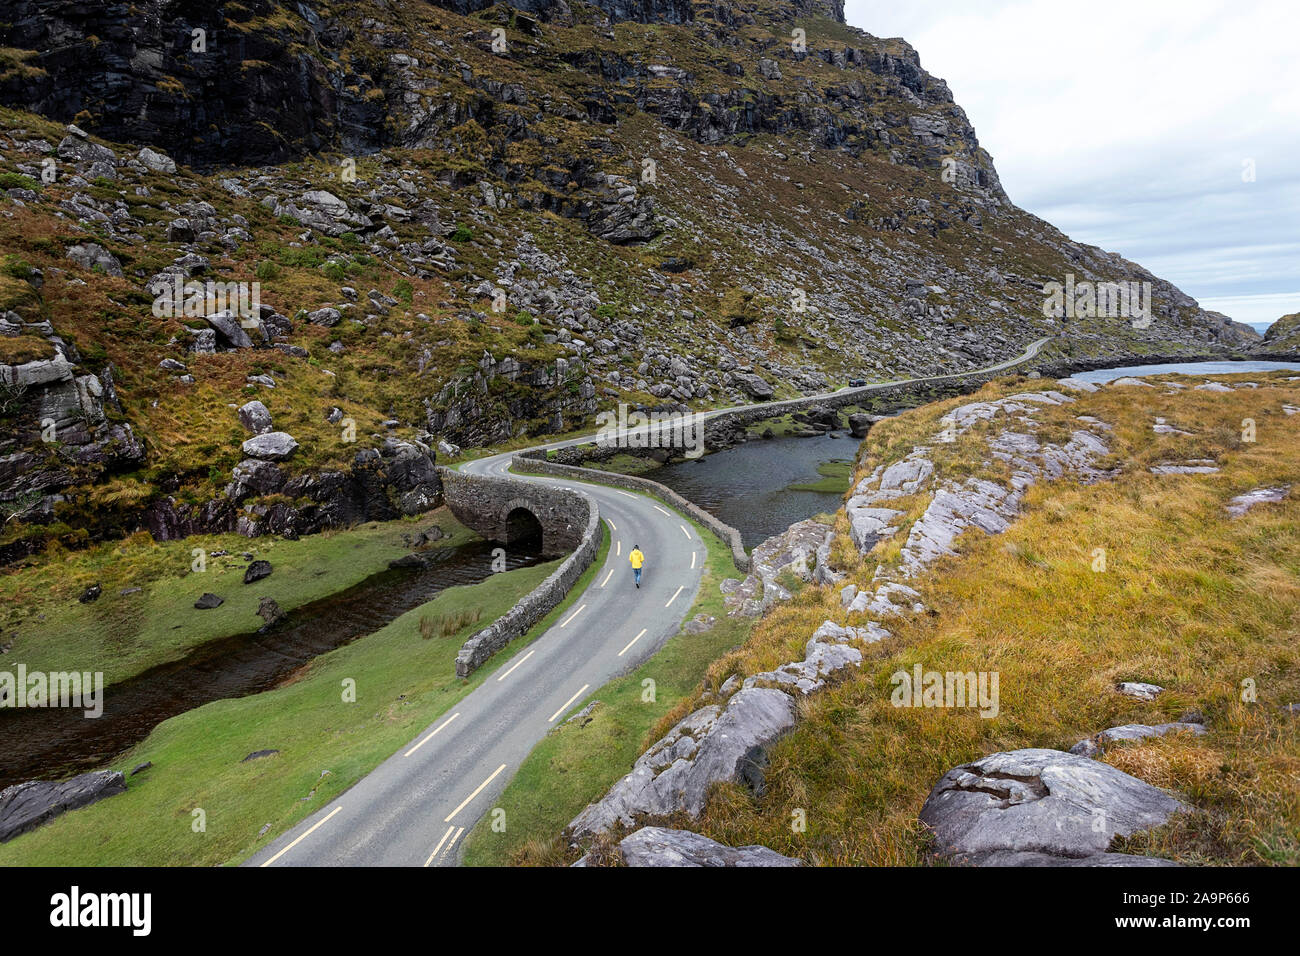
<point x="519" y="525"/>
<point x="516" y="513"/>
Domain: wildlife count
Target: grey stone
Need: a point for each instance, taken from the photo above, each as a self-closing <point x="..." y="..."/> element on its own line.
<point x="257" y="571"/>
<point x="326" y="317"/>
<point x="1094" y="745"/>
<point x="1139" y="690"/>
<point x="208" y="601"/>
<point x="25" y="806"/>
<point x="255" y="417"/>
<point x="1041" y="802"/>
<point x="704" y="748"/>
<point x="156" y="161"/>
<point x="226" y="325"/>
<point x="1239" y="505"/>
<point x="269" y="611"/>
<point x="270" y="446"/>
<point x="91" y="255"/>
<point x="657" y="846"/>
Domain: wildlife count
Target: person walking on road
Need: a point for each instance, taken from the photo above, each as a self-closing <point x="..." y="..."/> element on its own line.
<point x="637" y="559"/>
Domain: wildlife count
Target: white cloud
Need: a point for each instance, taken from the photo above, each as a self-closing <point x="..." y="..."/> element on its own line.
<point x="1127" y="124"/>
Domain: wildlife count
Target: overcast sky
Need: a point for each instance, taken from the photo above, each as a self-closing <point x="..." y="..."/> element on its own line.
<point x="1128" y="123"/>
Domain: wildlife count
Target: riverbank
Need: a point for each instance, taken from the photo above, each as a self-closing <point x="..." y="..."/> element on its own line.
<point x="145" y="615"/>
<point x="403" y="680"/>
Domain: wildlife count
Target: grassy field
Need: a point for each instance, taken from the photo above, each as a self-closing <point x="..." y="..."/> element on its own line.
<point x="403" y="682"/>
<point x="123" y="635"/>
<point x="1205" y="606"/>
<point x="578" y="761"/>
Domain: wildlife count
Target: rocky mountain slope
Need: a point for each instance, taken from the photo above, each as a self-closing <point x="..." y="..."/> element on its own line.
<point x="1007" y="649"/>
<point x="473" y="222"/>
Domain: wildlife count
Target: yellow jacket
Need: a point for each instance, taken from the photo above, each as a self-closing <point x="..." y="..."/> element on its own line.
<point x="636" y="557"/>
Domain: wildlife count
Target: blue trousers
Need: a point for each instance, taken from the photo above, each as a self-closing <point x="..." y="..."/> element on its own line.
<point x="636" y="572"/>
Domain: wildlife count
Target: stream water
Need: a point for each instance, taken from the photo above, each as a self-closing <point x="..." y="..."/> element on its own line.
<point x="1185" y="368"/>
<point x="748" y="485"/>
<point x="53" y="742"/>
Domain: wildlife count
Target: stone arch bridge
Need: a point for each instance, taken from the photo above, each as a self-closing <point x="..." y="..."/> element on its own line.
<point x="508" y="510"/>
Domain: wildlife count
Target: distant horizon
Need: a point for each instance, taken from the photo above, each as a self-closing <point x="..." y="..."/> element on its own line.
<point x="1185" y="168"/>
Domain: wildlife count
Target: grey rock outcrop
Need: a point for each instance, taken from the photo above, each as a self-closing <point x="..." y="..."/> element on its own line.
<point x="1041" y="806"/>
<point x="91" y="256"/>
<point x="1140" y="690"/>
<point x="25" y="806"/>
<point x="707" y="747"/>
<point x="270" y="446"/>
<point x="255" y="417"/>
<point x="1096" y="744"/>
<point x="257" y="571"/>
<point x="658" y="846"/>
<point x="1239" y="505"/>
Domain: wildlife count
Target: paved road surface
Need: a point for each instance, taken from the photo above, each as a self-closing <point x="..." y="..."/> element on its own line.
<point x="415" y="808"/>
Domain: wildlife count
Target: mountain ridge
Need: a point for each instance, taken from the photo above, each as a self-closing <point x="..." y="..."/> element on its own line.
<point x="460" y="243"/>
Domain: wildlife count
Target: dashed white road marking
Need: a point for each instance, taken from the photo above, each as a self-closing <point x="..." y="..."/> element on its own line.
<point x="692" y="560"/>
<point x="612" y="526"/>
<point x="618" y="549"/>
<point x="516" y="664"/>
<point x="625" y="494"/>
<point x="439" y="846"/>
<point x="565" y="707"/>
<point x="573" y="615"/>
<point x="439" y="727"/>
<point x="663" y="511"/>
<point x="675" y="593"/>
<point x="318" y="825"/>
<point x="633" y="641"/>
<point x="464" y="803"/>
<point x="684" y="530"/>
<point x="611" y="574"/>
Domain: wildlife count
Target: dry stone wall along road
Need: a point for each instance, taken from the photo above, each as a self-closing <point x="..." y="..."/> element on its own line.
<point x="415" y="808"/>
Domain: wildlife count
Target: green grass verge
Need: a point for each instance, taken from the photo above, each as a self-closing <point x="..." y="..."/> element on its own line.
<point x="123" y="635"/>
<point x="403" y="683"/>
<point x="577" y="762"/>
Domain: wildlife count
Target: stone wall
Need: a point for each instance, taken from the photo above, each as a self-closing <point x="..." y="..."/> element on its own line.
<point x="544" y="598"/>
<point x="880" y="398"/>
<point x="728" y="535"/>
<point x="483" y="504"/>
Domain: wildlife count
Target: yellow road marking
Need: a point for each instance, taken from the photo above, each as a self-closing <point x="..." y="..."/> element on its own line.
<point x="439" y="846"/>
<point x="454" y="839"/>
<point x="612" y="526"/>
<point x="580" y="692"/>
<point x="426" y="739"/>
<point x="517" y="663"/>
<point x="466" y="801"/>
<point x="633" y="641"/>
<point x="611" y="574"/>
<point x="319" y="824"/>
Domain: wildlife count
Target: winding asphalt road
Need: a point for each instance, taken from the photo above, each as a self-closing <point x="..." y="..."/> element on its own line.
<point x="415" y="808"/>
